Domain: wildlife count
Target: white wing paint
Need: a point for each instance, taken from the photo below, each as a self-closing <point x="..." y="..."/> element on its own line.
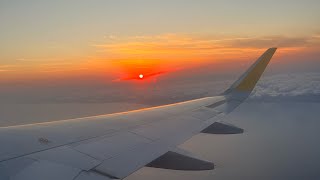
<point x="113" y="146"/>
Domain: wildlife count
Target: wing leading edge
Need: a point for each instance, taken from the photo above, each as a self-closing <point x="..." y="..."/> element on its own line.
<point x="115" y="145"/>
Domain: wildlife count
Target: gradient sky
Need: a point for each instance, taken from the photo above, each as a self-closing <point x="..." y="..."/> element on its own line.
<point x="41" y="38"/>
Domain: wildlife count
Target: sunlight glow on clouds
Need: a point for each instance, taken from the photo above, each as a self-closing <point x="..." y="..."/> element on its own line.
<point x="198" y="47"/>
<point x="186" y="47"/>
<point x="128" y="56"/>
<point x="159" y="52"/>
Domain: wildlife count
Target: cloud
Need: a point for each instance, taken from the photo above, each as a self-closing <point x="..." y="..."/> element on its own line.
<point x="303" y="86"/>
<point x="7" y="67"/>
<point x="189" y="46"/>
<point x="271" y="41"/>
<point x="166" y="44"/>
<point x="4" y="70"/>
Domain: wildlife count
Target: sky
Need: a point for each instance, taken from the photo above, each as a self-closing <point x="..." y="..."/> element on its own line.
<point x="88" y="46"/>
<point x="122" y="37"/>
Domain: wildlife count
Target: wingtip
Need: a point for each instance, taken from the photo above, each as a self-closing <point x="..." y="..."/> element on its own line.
<point x="248" y="80"/>
<point x="273" y="48"/>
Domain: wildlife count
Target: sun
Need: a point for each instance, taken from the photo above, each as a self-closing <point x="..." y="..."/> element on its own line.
<point x="141" y="76"/>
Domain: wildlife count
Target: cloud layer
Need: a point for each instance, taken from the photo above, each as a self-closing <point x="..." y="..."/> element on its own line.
<point x="168" y="45"/>
<point x="302" y="86"/>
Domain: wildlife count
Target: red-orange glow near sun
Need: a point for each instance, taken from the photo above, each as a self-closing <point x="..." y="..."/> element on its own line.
<point x="143" y="70"/>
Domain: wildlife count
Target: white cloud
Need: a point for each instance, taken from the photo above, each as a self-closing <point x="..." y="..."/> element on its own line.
<point x="303" y="86"/>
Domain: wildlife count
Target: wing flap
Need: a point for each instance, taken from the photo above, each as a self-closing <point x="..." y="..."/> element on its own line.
<point x="84" y="175"/>
<point x="204" y="113"/>
<point x="40" y="170"/>
<point x="124" y="164"/>
<point x="106" y="147"/>
<point x="67" y="156"/>
<point x="170" y="127"/>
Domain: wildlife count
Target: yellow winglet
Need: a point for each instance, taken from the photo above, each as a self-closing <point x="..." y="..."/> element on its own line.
<point x="249" y="79"/>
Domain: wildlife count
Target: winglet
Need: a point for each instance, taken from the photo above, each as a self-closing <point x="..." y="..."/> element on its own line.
<point x="246" y="82"/>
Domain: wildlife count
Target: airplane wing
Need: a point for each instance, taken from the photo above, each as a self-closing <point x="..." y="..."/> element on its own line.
<point x="113" y="146"/>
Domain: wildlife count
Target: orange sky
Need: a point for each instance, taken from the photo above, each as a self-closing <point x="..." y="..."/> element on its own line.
<point x="53" y="39"/>
<point x="124" y="58"/>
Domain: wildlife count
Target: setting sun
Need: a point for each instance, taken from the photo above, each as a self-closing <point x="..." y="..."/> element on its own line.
<point x="141" y="76"/>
